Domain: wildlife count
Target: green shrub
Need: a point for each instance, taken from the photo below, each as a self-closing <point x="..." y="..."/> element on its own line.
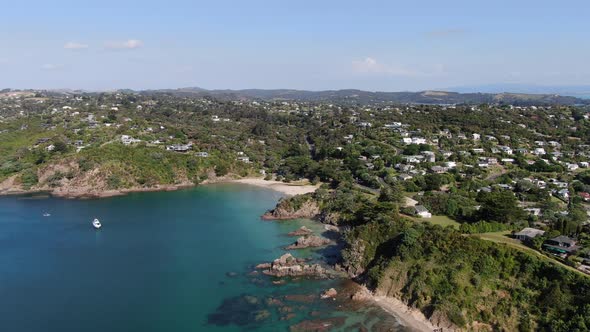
<point x="29" y="178"/>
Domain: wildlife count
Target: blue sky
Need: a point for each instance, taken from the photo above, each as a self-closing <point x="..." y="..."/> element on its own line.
<point x="321" y="44"/>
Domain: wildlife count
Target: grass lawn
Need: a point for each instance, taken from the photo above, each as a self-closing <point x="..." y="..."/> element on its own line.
<point x="504" y="237"/>
<point x="557" y="200"/>
<point x="444" y="221"/>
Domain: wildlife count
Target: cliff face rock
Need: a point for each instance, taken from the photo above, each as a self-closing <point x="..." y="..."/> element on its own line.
<point x="294" y="208"/>
<point x="354" y="258"/>
<point x="289" y="266"/>
<point x="11" y="186"/>
<point x="309" y="241"/>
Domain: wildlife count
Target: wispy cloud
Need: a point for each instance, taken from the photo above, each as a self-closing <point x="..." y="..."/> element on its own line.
<point x="75" y="46"/>
<point x="129" y="44"/>
<point x="51" y="66"/>
<point x="446" y="33"/>
<point x="370" y="65"/>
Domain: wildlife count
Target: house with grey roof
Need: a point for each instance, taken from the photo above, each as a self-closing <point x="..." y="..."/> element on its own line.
<point x="527" y="234"/>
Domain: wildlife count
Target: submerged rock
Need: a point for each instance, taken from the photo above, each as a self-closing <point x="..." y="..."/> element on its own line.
<point x="302" y="298"/>
<point x="302" y="231"/>
<point x="319" y="325"/>
<point x="240" y="310"/>
<point x="261" y="315"/>
<point x="272" y="301"/>
<point x="309" y="241"/>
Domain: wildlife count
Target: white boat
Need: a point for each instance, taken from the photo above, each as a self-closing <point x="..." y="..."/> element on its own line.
<point x="46" y="214"/>
<point x="96" y="224"/>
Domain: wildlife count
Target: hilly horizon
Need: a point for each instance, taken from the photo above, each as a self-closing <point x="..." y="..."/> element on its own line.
<point x="363" y="97"/>
<point x="357" y="96"/>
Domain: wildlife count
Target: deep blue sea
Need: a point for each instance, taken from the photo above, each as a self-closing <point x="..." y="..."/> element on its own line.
<point x="164" y="261"/>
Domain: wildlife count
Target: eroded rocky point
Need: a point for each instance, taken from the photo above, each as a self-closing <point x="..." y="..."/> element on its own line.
<point x="309" y="241"/>
<point x="302" y="231"/>
<point x="289" y="266"/>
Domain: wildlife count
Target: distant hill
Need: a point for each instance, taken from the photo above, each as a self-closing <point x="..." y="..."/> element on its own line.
<point x="367" y="97"/>
<point x="580" y="91"/>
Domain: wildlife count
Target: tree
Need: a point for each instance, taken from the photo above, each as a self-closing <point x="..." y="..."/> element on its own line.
<point x="60" y="146"/>
<point x="500" y="206"/>
<point x="392" y="194"/>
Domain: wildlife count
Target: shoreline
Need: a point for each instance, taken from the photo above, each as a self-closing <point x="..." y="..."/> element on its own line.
<point x="410" y="318"/>
<point x="284" y="188"/>
<point x="407" y="316"/>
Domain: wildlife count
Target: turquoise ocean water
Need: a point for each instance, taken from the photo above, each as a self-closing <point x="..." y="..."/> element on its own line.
<point x="166" y="261"/>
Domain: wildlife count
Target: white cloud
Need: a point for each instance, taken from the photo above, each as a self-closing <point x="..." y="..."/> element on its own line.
<point x="51" y="66"/>
<point x="370" y="65"/>
<point x="75" y="46"/>
<point x="124" y="45"/>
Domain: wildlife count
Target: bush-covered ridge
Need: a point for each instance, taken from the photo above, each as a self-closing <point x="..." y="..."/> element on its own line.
<point x="454" y="279"/>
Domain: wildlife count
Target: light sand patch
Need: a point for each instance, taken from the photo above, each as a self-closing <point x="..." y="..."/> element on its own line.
<point x="288" y="189"/>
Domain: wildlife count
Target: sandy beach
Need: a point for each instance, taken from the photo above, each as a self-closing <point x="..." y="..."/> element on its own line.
<point x="411" y="318"/>
<point x="288" y="189"/>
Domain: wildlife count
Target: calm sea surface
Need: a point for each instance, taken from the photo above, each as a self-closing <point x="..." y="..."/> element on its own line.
<point x="167" y="261"/>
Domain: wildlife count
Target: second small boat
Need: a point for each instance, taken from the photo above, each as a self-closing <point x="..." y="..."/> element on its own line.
<point x="96" y="223"/>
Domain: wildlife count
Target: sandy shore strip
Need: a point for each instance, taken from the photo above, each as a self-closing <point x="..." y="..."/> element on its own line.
<point x="288" y="189"/>
<point x="411" y="318"/>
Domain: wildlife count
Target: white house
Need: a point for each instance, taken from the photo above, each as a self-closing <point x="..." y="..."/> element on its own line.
<point x="450" y="164"/>
<point x="421" y="211"/>
<point x="564" y="193"/>
<point x="505" y="149"/>
<point x="244" y="159"/>
<point x="418" y="140"/>
<point x="127" y="140"/>
<point x="533" y="211"/>
<point x="572" y="167"/>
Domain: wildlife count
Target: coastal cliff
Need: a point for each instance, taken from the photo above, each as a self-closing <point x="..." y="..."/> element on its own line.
<point x="66" y="179"/>
<point x="298" y="207"/>
<point x="453" y="281"/>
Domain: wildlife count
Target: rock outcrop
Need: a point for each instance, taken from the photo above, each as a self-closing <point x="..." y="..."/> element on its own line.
<point x="289" y="266"/>
<point x="361" y="295"/>
<point x="294" y="208"/>
<point x="302" y="231"/>
<point x="309" y="241"/>
<point x="330" y="293"/>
